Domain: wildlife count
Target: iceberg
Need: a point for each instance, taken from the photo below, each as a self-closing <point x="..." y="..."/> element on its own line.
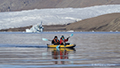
<point x="36" y="28"/>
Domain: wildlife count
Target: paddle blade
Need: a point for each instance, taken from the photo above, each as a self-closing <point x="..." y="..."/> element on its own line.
<point x="57" y="47"/>
<point x="44" y="39"/>
<point x="71" y="35"/>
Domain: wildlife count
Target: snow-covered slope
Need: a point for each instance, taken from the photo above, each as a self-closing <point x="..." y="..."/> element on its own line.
<point x="53" y="16"/>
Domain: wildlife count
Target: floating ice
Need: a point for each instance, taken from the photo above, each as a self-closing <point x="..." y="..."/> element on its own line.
<point x="36" y="28"/>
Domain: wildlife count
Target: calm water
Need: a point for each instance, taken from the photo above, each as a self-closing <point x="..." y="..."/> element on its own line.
<point x="28" y="50"/>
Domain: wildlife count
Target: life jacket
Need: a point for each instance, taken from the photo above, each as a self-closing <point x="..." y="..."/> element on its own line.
<point x="61" y="41"/>
<point x="56" y="41"/>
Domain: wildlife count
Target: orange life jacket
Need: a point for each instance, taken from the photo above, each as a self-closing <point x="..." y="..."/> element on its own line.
<point x="56" y="41"/>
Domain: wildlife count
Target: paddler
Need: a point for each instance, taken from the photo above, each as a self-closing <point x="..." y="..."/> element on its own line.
<point x="63" y="40"/>
<point x="55" y="41"/>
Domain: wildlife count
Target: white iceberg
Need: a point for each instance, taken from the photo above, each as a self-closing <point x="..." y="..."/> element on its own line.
<point x="36" y="28"/>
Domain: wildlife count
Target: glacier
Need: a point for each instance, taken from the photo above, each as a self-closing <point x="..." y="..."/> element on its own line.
<point x="53" y="16"/>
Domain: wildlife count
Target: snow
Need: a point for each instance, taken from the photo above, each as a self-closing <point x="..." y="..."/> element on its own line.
<point x="53" y="16"/>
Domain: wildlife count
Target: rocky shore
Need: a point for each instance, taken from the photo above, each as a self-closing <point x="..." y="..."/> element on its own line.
<point x="46" y="28"/>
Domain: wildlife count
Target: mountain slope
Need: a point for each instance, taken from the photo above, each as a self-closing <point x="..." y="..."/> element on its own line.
<point x="17" y="5"/>
<point x="108" y="22"/>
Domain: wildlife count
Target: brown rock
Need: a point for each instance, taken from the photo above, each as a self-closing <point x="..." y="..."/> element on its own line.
<point x="108" y="22"/>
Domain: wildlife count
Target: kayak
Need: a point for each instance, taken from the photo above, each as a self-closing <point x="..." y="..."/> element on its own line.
<point x="61" y="46"/>
<point x="62" y="49"/>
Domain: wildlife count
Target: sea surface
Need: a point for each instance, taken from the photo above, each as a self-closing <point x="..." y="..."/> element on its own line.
<point x="28" y="50"/>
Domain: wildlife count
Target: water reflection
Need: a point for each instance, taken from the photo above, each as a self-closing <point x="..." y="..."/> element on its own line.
<point x="61" y="54"/>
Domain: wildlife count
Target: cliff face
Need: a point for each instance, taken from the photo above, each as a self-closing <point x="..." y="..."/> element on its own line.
<point x="17" y="5"/>
<point x="108" y="22"/>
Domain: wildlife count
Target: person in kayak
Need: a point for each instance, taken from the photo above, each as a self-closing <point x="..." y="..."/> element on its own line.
<point x="63" y="40"/>
<point x="55" y="41"/>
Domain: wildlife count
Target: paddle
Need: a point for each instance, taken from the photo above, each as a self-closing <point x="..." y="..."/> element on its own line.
<point x="44" y="39"/>
<point x="57" y="47"/>
<point x="64" y="42"/>
<point x="70" y="35"/>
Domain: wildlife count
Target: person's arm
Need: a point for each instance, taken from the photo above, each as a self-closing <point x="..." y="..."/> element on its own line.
<point x="61" y="41"/>
<point x="52" y="41"/>
<point x="65" y="40"/>
<point x="68" y="38"/>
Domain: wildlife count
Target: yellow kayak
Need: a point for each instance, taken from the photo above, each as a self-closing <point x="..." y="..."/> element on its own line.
<point x="62" y="49"/>
<point x="61" y="46"/>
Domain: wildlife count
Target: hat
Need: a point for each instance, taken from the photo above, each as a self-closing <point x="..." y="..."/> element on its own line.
<point x="62" y="36"/>
<point x="55" y="37"/>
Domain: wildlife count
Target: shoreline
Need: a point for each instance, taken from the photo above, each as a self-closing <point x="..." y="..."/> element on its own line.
<point x="52" y="28"/>
<point x="46" y="28"/>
